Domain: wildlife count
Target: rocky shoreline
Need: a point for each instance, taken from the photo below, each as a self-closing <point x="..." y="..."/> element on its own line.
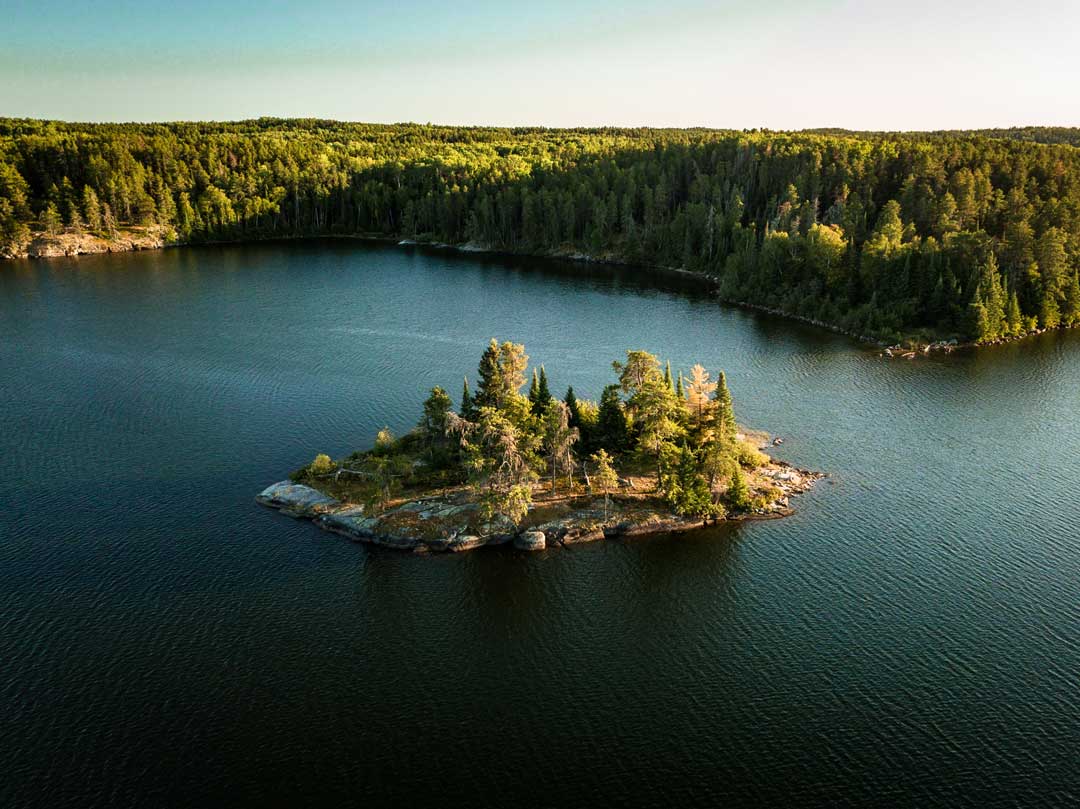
<point x="450" y="521"/>
<point x="126" y="240"/>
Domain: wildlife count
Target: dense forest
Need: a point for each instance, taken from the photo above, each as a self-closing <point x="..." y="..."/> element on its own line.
<point x="973" y="235"/>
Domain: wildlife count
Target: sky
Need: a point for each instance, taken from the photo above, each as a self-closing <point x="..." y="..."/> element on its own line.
<point x="948" y="64"/>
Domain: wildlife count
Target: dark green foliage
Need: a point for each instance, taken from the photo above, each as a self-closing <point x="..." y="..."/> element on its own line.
<point x="884" y="234"/>
<point x="725" y="409"/>
<point x="489" y="388"/>
<point x="685" y="488"/>
<point x="611" y="429"/>
<point x="585" y="446"/>
<point x="543" y="394"/>
<point x="467" y="410"/>
<point x="738" y="494"/>
<point x="534" y="393"/>
<point x="432" y="428"/>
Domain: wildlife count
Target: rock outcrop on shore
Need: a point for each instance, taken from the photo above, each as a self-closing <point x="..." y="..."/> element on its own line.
<point x="43" y="245"/>
<point x="452" y="523"/>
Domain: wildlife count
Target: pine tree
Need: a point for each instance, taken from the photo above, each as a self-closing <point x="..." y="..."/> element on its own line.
<point x="544" y="396"/>
<point x="611" y="425"/>
<point x="1049" y="309"/>
<point x="467" y="411"/>
<point x="91" y="208"/>
<point x="107" y="220"/>
<point x="489" y="375"/>
<point x="738" y="495"/>
<point x="686" y="490"/>
<point x="725" y="409"/>
<point x="667" y="377"/>
<point x="433" y="426"/>
<point x="680" y="394"/>
<point x="534" y="393"/>
<point x="51" y="221"/>
<point x="1013" y="318"/>
<point x="571" y="402"/>
<point x="987" y="312"/>
<point x="604" y="477"/>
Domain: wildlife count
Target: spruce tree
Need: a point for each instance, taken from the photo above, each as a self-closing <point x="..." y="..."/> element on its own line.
<point x="489" y="376"/>
<point x="992" y="297"/>
<point x="667" y="377"/>
<point x="738" y="495"/>
<point x="543" y="395"/>
<point x="467" y="411"/>
<point x="1013" y="320"/>
<point x="611" y="426"/>
<point x="571" y="402"/>
<point x="725" y="409"/>
<point x="604" y="477"/>
<point x="1049" y="310"/>
<point x="585" y="431"/>
<point x="534" y="394"/>
<point x="51" y="221"/>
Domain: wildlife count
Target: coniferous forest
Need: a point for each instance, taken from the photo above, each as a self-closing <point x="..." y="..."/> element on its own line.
<point x="972" y="235"/>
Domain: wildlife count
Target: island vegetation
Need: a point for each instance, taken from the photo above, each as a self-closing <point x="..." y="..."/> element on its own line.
<point x="657" y="452"/>
<point x="920" y="236"/>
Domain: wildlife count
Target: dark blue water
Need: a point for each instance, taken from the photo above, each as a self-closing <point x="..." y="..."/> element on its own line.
<point x="910" y="637"/>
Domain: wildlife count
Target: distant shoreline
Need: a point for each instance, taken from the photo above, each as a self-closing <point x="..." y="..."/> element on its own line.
<point x="134" y="239"/>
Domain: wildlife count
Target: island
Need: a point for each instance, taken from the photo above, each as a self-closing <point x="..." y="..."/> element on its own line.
<point x="659" y="453"/>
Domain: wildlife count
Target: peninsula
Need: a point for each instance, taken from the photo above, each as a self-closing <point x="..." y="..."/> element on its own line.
<point x="656" y="454"/>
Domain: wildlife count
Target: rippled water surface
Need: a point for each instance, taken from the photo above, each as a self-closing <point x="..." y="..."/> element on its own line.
<point x="911" y="636"/>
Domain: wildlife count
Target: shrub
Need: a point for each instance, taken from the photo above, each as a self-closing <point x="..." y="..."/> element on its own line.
<point x="322" y="465"/>
<point x="749" y="455"/>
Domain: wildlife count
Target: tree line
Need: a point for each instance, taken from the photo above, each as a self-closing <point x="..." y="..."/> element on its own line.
<point x="974" y="235"/>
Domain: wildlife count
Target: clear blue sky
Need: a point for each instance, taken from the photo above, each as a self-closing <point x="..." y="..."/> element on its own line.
<point x="781" y="64"/>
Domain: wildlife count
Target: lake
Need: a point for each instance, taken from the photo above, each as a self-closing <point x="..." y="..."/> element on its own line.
<point x="910" y="637"/>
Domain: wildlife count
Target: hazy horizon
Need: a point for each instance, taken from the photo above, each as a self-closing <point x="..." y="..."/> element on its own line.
<point x="569" y="127"/>
<point x="916" y="66"/>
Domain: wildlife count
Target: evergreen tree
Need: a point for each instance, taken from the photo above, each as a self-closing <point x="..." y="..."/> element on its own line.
<point x="91" y="208"/>
<point x="489" y="387"/>
<point x="685" y="489"/>
<point x="50" y="220"/>
<point x="435" y="422"/>
<point x="604" y="477"/>
<point x="108" y="222"/>
<point x="1013" y="319"/>
<point x="725" y="409"/>
<point x="572" y="404"/>
<point x="559" y="439"/>
<point x="1049" y="309"/>
<point x="611" y="428"/>
<point x="534" y="393"/>
<point x="467" y="410"/>
<point x="738" y="494"/>
<point x="585" y="437"/>
<point x="543" y="395"/>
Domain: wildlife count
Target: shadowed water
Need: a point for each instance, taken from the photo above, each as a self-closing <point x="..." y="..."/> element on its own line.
<point x="911" y="636"/>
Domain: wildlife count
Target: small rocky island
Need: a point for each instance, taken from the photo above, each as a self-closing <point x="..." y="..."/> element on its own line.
<point x="656" y="454"/>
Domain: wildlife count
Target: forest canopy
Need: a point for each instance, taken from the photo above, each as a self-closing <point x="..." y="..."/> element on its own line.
<point x="974" y="235"/>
